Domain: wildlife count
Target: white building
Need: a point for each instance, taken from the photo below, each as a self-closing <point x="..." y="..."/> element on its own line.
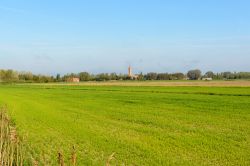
<point x="207" y="79"/>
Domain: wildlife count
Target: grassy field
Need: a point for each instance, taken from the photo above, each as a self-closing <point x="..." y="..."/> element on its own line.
<point x="216" y="83"/>
<point x="149" y="125"/>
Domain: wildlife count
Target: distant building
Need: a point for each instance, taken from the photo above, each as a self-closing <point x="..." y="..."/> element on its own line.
<point x="130" y="71"/>
<point x="131" y="75"/>
<point x="73" y="79"/>
<point x="207" y="79"/>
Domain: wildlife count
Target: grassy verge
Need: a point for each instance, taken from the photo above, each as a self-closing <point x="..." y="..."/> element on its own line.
<point x="10" y="144"/>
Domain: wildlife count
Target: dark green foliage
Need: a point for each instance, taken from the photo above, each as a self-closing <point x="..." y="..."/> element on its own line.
<point x="194" y="74"/>
<point x="14" y="76"/>
<point x="84" y="76"/>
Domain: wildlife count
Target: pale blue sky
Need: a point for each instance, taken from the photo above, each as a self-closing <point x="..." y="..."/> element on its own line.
<point x="62" y="36"/>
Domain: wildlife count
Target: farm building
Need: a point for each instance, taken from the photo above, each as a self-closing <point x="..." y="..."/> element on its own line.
<point x="207" y="79"/>
<point x="73" y="79"/>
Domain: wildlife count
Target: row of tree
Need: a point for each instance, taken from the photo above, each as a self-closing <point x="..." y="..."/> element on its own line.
<point x="14" y="76"/>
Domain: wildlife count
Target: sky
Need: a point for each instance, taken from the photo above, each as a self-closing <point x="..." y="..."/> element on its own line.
<point x="65" y="36"/>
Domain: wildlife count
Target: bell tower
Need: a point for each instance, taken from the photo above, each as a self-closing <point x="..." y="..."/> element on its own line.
<point x="129" y="71"/>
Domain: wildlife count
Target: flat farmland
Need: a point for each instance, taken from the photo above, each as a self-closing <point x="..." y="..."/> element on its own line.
<point x="142" y="125"/>
<point x="175" y="83"/>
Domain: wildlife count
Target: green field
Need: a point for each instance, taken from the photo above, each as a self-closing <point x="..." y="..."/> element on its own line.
<point x="142" y="125"/>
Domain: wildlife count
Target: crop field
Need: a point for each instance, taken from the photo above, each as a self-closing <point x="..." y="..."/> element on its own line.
<point x="141" y="125"/>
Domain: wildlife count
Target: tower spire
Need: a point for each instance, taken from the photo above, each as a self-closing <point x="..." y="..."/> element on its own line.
<point x="130" y="71"/>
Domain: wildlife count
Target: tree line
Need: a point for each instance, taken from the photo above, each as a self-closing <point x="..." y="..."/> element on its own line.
<point x="15" y="76"/>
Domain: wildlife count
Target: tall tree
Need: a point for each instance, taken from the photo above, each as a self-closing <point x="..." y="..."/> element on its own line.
<point x="209" y="74"/>
<point x="194" y="74"/>
<point x="58" y="77"/>
<point x="151" y="76"/>
<point x="84" y="76"/>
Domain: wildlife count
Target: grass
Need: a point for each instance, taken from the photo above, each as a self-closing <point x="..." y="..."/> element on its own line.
<point x="214" y="83"/>
<point x="11" y="152"/>
<point x="132" y="125"/>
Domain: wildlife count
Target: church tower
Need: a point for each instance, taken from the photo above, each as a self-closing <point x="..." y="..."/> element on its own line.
<point x="129" y="71"/>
